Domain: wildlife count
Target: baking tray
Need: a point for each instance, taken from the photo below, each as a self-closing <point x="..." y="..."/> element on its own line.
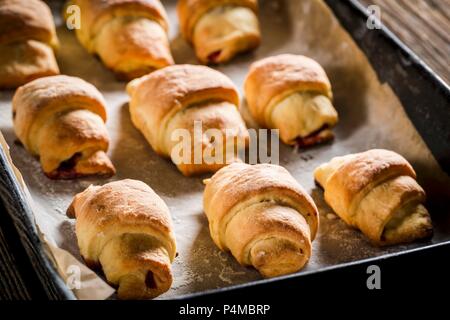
<point x="425" y="99"/>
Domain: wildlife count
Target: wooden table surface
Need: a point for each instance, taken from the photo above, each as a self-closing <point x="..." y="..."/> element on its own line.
<point x="422" y="24"/>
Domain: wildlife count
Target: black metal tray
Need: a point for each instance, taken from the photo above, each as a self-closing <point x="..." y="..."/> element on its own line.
<point x="426" y="99"/>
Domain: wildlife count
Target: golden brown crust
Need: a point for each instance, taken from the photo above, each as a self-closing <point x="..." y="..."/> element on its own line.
<point x="77" y="149"/>
<point x="219" y="116"/>
<point x="177" y="87"/>
<point x="219" y="30"/>
<point x="49" y="93"/>
<point x="27" y="40"/>
<point x="130" y="36"/>
<point x="75" y="110"/>
<point x="346" y="185"/>
<point x="368" y="189"/>
<point x="199" y="92"/>
<point x="272" y="79"/>
<point x="278" y="214"/>
<point x="95" y="14"/>
<point x="25" y="61"/>
<point x="240" y="182"/>
<point x="402" y="189"/>
<point x="273" y="239"/>
<point x="190" y="11"/>
<point x="137" y="240"/>
<point x="22" y="20"/>
<point x="144" y="47"/>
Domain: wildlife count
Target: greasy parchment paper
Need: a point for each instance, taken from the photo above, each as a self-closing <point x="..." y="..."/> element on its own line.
<point x="371" y="116"/>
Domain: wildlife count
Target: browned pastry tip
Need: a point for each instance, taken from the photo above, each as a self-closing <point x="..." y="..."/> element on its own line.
<point x="190" y="11"/>
<point x="292" y="93"/>
<point x="23" y="20"/>
<point x="376" y="191"/>
<point x="61" y="119"/>
<point x="27" y="41"/>
<point x="219" y="30"/>
<point x="136" y="246"/>
<point x="130" y="36"/>
<point x="182" y="99"/>
<point x="262" y="215"/>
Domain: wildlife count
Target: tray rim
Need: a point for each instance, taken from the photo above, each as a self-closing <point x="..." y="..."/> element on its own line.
<point x="54" y="283"/>
<point x="418" y="66"/>
<point x="406" y="49"/>
<point x="328" y="269"/>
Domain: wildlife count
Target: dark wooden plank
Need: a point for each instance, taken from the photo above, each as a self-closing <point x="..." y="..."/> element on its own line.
<point x="424" y="26"/>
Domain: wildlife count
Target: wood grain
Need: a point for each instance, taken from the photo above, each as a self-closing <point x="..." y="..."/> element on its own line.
<point x="424" y="26"/>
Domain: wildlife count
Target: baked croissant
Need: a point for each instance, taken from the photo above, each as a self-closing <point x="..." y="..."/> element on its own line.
<point x="293" y="94"/>
<point x="125" y="228"/>
<point x="130" y="36"/>
<point x="262" y="215"/>
<point x="172" y="104"/>
<point x="376" y="192"/>
<point x="61" y="119"/>
<point x="219" y="29"/>
<point x="27" y="41"/>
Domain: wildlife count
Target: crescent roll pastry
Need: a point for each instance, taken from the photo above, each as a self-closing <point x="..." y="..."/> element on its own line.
<point x="61" y="119"/>
<point x="125" y="228"/>
<point x="262" y="215"/>
<point x="293" y="94"/>
<point x="27" y="41"/>
<point x="376" y="191"/>
<point x="130" y="36"/>
<point x="190" y="114"/>
<point x="219" y="29"/>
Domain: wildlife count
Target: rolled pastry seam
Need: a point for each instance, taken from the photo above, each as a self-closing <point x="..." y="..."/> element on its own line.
<point x="61" y="119"/>
<point x="219" y="30"/>
<point x="284" y="249"/>
<point x="138" y="264"/>
<point x="376" y="192"/>
<point x="194" y="120"/>
<point x="130" y="37"/>
<point x="262" y="216"/>
<point x="134" y="59"/>
<point x="228" y="138"/>
<point x="293" y="94"/>
<point x="224" y="32"/>
<point x="305" y="118"/>
<point x="25" y="61"/>
<point x="27" y="41"/>
<point x="125" y="228"/>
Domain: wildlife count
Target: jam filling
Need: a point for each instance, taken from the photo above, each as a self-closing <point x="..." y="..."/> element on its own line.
<point x="150" y="280"/>
<point x="313" y="139"/>
<point x="214" y="57"/>
<point x="66" y="169"/>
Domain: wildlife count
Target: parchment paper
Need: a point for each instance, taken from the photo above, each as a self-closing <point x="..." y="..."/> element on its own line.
<point x="370" y="116"/>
